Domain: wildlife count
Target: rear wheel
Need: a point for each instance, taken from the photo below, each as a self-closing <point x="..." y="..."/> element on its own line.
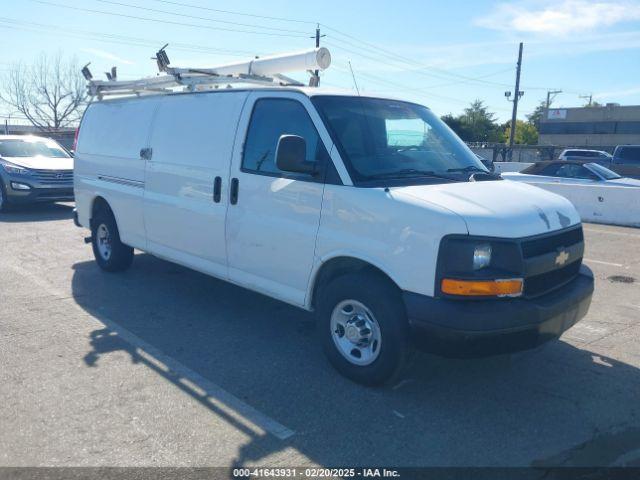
<point x="111" y="254"/>
<point x="363" y="327"/>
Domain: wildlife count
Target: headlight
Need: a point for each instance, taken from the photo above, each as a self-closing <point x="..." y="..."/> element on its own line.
<point x="479" y="267"/>
<point x="481" y="256"/>
<point x="14" y="169"/>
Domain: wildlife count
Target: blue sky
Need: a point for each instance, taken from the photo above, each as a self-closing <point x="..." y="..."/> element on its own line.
<point x="441" y="54"/>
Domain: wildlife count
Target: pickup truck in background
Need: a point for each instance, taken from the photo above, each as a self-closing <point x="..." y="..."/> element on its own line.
<point x="625" y="160"/>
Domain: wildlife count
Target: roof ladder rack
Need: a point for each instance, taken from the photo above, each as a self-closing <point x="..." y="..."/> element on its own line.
<point x="260" y="71"/>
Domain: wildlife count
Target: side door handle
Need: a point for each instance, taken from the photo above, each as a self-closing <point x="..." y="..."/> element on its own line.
<point x="217" y="189"/>
<point x="233" y="195"/>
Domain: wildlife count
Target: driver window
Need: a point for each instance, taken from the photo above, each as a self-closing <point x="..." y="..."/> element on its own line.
<point x="271" y="118"/>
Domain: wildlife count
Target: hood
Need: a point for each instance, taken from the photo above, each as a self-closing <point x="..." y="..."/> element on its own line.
<point x="497" y="209"/>
<point x="42" y="163"/>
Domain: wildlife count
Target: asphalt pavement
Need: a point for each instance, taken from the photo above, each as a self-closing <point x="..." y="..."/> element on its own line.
<point x="163" y="366"/>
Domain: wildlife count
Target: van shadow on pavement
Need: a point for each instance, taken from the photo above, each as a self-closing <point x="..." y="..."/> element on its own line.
<point x="538" y="407"/>
<point x="37" y="212"/>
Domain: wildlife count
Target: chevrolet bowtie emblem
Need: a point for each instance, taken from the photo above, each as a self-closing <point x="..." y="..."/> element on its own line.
<point x="562" y="257"/>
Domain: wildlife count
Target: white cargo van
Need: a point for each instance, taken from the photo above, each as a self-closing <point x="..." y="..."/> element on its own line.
<point x="369" y="211"/>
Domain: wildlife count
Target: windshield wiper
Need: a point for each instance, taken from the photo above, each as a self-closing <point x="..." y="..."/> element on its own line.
<point x="468" y="168"/>
<point x="410" y="172"/>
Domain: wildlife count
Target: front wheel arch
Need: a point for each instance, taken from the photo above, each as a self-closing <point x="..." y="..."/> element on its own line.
<point x="342" y="265"/>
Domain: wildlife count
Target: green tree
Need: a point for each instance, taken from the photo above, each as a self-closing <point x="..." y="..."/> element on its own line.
<point x="526" y="133"/>
<point x="456" y="124"/>
<point x="538" y="113"/>
<point x="481" y="123"/>
<point x="476" y="124"/>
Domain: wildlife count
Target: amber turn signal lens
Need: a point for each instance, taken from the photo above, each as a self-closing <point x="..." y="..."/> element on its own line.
<point x="482" y="288"/>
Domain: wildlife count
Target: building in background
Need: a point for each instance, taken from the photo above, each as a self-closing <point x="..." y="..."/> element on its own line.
<point x="605" y="126"/>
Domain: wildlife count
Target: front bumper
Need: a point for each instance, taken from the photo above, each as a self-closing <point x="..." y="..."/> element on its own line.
<point x="36" y="193"/>
<point x="478" y="328"/>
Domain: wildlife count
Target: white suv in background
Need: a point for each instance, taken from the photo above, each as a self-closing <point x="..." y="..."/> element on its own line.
<point x="597" y="156"/>
<point x="368" y="211"/>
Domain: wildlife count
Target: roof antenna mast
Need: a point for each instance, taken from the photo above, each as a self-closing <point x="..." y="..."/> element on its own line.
<point x="354" y="78"/>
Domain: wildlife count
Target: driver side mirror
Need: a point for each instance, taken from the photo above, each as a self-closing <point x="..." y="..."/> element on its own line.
<point x="291" y="155"/>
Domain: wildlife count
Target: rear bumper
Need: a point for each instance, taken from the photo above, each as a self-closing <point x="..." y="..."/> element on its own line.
<point x="477" y="328"/>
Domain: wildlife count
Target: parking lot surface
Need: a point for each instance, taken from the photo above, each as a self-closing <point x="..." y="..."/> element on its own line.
<point x="163" y="366"/>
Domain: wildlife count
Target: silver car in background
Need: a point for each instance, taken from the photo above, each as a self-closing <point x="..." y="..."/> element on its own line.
<point x="34" y="169"/>
<point x="596" y="156"/>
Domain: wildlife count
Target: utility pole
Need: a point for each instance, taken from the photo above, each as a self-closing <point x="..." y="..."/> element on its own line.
<point x="516" y="97"/>
<point x="316" y="74"/>
<point x="550" y="98"/>
<point x="590" y="97"/>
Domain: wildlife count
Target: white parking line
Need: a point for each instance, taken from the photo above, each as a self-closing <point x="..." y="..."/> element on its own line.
<point x="208" y="391"/>
<point x="603" y="263"/>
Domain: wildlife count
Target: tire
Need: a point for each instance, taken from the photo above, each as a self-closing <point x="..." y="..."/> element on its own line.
<point x="351" y="306"/>
<point x="111" y="254"/>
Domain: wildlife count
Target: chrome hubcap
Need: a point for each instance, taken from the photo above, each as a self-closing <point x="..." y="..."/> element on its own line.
<point x="103" y="240"/>
<point x="355" y="332"/>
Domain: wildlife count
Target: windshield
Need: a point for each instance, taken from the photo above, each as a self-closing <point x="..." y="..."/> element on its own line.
<point x="31" y="148"/>
<point x="392" y="139"/>
<point x="603" y="171"/>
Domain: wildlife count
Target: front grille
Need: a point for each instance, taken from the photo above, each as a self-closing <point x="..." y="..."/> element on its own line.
<point x="545" y="282"/>
<point x="54" y="177"/>
<point x="546" y="244"/>
<point x="536" y="253"/>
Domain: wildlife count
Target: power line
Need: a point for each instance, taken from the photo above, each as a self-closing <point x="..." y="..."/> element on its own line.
<point x="167" y="22"/>
<point x="377" y="52"/>
<point x="397" y="57"/>
<point x="504" y="70"/>
<point x="115" y="39"/>
<point x="230" y="12"/>
<point x="419" y="72"/>
<point x="400" y="86"/>
<point x="209" y="19"/>
<point x="389" y="53"/>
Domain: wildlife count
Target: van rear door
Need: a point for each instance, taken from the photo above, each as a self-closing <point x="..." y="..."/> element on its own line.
<point x="273" y="216"/>
<point x="191" y="141"/>
<point x="108" y="162"/>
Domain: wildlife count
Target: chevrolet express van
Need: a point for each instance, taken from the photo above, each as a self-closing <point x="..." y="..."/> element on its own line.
<point x="369" y="211"/>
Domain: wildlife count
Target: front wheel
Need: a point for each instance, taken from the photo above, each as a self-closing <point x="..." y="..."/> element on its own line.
<point x="111" y="254"/>
<point x="363" y="327"/>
